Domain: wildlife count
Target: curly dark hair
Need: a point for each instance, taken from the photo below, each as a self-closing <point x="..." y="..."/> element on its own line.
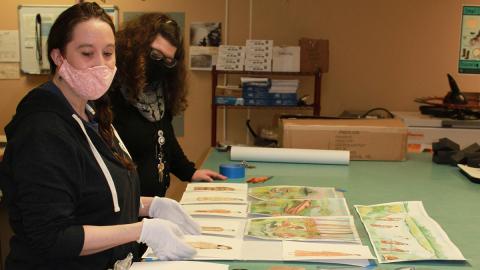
<point x="133" y="49"/>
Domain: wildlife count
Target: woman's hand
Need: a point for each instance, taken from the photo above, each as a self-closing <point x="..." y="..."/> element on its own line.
<point x="207" y="176"/>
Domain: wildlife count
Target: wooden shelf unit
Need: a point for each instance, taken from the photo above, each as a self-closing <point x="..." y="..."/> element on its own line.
<point x="316" y="96"/>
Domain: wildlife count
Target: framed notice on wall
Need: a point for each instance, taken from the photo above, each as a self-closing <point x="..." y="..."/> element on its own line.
<point x="34" y="23"/>
<point x="469" y="58"/>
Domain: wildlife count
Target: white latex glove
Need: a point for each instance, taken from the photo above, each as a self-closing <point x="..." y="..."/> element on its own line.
<point x="171" y="210"/>
<point x="165" y="239"/>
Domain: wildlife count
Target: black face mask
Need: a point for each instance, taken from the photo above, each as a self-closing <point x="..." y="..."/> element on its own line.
<point x="157" y="71"/>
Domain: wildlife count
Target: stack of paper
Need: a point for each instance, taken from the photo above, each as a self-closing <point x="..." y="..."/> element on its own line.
<point x="316" y="215"/>
<point x="255" y="91"/>
<point x="284" y="86"/>
<point x="245" y="80"/>
<point x="284" y="92"/>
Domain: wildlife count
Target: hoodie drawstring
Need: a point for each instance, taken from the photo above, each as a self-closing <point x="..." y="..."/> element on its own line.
<point x="102" y="165"/>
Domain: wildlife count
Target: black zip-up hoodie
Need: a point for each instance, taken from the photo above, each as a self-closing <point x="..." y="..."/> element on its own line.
<point x="54" y="185"/>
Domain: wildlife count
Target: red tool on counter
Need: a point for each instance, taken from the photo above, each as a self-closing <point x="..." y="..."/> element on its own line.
<point x="259" y="179"/>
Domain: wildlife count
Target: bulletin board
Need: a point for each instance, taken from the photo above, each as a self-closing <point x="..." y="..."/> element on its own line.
<point x="34" y="23"/>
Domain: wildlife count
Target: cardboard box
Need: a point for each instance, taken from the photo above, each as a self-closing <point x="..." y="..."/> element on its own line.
<point x="314" y="54"/>
<point x="366" y="139"/>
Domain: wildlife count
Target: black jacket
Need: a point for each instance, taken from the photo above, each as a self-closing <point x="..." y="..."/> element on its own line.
<point x="140" y="137"/>
<point x="54" y="185"/>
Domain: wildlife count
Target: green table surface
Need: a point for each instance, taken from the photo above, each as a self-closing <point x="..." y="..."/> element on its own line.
<point x="448" y="197"/>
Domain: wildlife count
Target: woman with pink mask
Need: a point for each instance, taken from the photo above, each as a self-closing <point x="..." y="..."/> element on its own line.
<point x="71" y="187"/>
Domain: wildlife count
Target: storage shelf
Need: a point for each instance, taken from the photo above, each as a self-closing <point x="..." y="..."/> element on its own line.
<point x="315" y="107"/>
<point x="242" y="107"/>
<point x="266" y="73"/>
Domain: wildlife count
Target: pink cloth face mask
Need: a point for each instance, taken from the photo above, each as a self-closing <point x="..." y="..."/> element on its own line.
<point x="90" y="83"/>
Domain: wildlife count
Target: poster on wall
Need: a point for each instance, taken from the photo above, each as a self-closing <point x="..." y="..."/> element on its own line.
<point x="469" y="58"/>
<point x="205" y="34"/>
<point x="205" y="38"/>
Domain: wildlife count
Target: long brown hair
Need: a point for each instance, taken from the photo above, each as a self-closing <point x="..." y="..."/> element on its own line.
<point x="60" y="35"/>
<point x="132" y="50"/>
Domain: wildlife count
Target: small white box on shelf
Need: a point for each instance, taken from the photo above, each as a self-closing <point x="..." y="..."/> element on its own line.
<point x="286" y="59"/>
<point x="231" y="57"/>
<point x="261" y="56"/>
<point x="223" y="61"/>
<point x="266" y="51"/>
<point x="230" y="49"/>
<point x="252" y="62"/>
<point x="237" y="54"/>
<point x="229" y="67"/>
<point x="266" y="67"/>
<point x="259" y="42"/>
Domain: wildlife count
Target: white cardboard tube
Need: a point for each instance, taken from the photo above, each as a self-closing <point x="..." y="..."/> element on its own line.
<point x="291" y="155"/>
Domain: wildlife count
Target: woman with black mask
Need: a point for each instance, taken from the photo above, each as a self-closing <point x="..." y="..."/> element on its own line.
<point x="148" y="91"/>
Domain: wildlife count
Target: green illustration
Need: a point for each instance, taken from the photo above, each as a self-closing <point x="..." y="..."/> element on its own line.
<point x="291" y="192"/>
<point x="291" y="228"/>
<point x="283" y="207"/>
<point x="403" y="231"/>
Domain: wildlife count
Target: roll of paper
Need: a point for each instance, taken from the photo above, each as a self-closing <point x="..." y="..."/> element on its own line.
<point x="290" y="155"/>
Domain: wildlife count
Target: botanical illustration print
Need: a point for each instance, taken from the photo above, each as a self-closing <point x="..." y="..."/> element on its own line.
<point x="212" y="229"/>
<point x="282" y="207"/>
<point x="218" y="199"/>
<point x="217" y="187"/>
<point x="291" y="192"/>
<point x="213" y="197"/>
<point x="207" y="245"/>
<point x="224" y="227"/>
<point x="206" y="188"/>
<point x="293" y="250"/>
<point x="301" y="228"/>
<point x="228" y="210"/>
<point x="403" y="231"/>
<point x="215" y="247"/>
<point x="322" y="253"/>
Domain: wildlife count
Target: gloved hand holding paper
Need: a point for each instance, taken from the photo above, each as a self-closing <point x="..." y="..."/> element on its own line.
<point x="171" y="210"/>
<point x="165" y="239"/>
